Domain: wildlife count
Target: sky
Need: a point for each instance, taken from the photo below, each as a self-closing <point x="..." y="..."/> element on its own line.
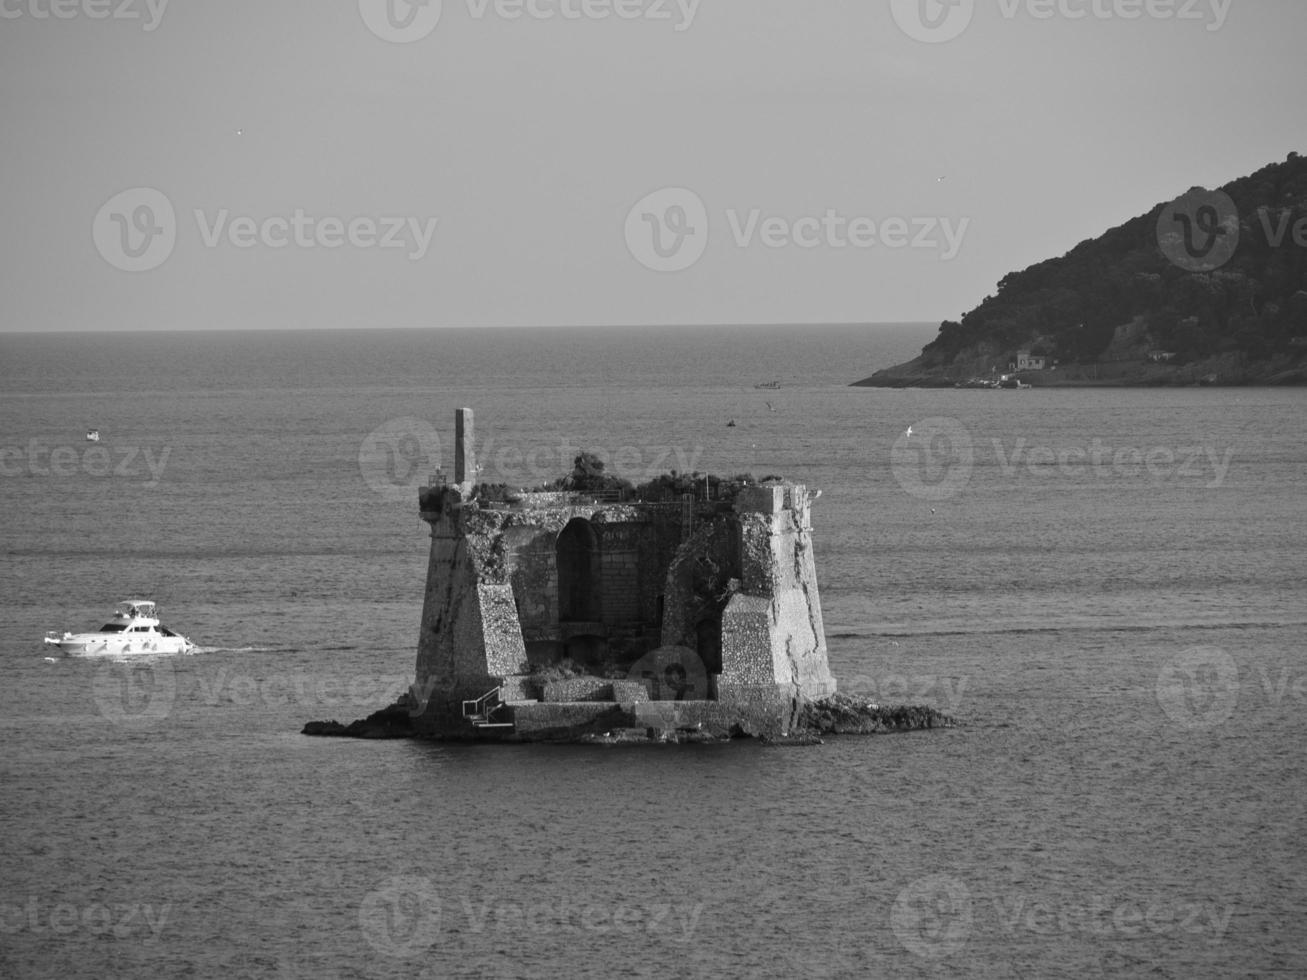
<point x="315" y="164"/>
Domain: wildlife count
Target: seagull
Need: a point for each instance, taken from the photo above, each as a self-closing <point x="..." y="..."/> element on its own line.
<point x="769" y="406"/>
<point x="909" y="432"/>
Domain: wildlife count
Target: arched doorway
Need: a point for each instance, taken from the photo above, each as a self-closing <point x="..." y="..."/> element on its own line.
<point x="578" y="574"/>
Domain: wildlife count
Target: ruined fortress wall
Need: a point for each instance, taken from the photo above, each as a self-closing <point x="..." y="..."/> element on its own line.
<point x="451" y="660"/>
<point x="778" y="613"/>
<point x="697" y="581"/>
<point x="493" y="585"/>
<point x="619" y="551"/>
<point x="531" y="562"/>
<point x="501" y="633"/>
<point x="498" y="583"/>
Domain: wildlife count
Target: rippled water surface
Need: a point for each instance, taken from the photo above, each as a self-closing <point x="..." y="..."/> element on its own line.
<point x="1106" y="588"/>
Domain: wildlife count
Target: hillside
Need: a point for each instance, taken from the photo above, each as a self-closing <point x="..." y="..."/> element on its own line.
<point x="1205" y="289"/>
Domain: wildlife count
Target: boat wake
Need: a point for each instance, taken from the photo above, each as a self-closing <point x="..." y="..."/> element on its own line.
<point x="122" y="657"/>
<point x="244" y="650"/>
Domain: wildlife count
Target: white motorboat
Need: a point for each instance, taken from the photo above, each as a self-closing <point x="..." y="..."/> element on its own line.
<point x="135" y="629"/>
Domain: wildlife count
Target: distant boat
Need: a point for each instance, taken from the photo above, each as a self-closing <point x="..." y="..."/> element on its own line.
<point x="92" y="435"/>
<point x="769" y="385"/>
<point x="134" y="629"/>
<point x="730" y="424"/>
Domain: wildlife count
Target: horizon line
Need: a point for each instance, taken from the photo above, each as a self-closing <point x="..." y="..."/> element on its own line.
<point x="551" y="326"/>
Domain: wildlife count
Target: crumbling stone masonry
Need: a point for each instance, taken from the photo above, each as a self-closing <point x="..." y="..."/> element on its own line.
<point x="559" y="614"/>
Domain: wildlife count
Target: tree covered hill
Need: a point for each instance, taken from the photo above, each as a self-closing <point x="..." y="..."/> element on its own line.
<point x="1205" y="287"/>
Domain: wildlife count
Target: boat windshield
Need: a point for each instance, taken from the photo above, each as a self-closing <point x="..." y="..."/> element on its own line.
<point x="129" y="609"/>
<point x="113" y="627"/>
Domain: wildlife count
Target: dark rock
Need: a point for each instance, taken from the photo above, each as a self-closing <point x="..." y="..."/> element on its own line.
<point x="844" y="714"/>
<point x="840" y="714"/>
<point x="792" y="739"/>
<point x="395" y="721"/>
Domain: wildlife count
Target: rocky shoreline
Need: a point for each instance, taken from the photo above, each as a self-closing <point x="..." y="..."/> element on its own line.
<point x="394" y="721"/>
<point x="839" y="714"/>
<point x="843" y="714"/>
<point x="1222" y="371"/>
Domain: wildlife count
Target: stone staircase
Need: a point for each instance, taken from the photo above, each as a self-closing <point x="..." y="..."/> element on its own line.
<point x="488" y="712"/>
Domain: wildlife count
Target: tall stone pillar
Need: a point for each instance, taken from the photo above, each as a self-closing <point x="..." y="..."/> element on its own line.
<point x="465" y="459"/>
<point x="772" y="630"/>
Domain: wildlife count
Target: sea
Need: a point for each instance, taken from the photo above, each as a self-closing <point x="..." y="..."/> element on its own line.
<point x="1106" y="588"/>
